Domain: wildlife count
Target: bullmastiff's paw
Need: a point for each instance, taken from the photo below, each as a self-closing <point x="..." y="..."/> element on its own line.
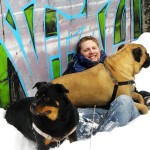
<point x="143" y="109"/>
<point x="137" y="97"/>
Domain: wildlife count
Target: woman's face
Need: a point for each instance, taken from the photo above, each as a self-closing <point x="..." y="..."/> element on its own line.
<point x="90" y="50"/>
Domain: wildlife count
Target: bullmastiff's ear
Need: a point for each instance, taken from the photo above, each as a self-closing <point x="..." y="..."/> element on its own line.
<point x="61" y="89"/>
<point x="137" y="53"/>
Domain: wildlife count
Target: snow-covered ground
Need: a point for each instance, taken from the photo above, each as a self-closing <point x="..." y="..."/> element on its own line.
<point x="135" y="135"/>
<point x="142" y="79"/>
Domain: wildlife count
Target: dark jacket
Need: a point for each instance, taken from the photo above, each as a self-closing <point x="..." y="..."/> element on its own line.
<point x="70" y="68"/>
<point x="80" y="63"/>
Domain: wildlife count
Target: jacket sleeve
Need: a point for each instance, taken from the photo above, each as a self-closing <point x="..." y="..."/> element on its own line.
<point x="103" y="56"/>
<point x="69" y="69"/>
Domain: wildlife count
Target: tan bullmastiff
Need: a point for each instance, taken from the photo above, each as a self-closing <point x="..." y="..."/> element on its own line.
<point x="95" y="86"/>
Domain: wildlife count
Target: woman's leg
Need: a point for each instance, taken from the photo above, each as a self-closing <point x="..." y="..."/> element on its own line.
<point x="122" y="110"/>
<point x="89" y="119"/>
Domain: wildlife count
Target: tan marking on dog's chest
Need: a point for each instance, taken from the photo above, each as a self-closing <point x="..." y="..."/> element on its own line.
<point x="53" y="116"/>
<point x="47" y="142"/>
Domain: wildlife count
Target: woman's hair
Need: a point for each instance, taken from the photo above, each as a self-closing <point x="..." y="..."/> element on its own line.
<point x="86" y="38"/>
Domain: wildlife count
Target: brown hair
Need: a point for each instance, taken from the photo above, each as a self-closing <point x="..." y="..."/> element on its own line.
<point x="86" y="38"/>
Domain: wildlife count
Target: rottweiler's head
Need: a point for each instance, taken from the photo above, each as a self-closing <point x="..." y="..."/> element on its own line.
<point x="55" y="109"/>
<point x="48" y="99"/>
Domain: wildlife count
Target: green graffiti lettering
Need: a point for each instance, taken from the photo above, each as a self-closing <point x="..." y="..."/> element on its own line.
<point x="56" y="67"/>
<point x="101" y="20"/>
<point x="119" y="28"/>
<point x="29" y="18"/>
<point x="85" y="8"/>
<point x="70" y="57"/>
<point x="50" y="23"/>
<point x="136" y="13"/>
<point x="10" y="20"/>
<point x="4" y="85"/>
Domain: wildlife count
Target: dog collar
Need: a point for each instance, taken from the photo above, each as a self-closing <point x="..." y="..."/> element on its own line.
<point x="49" y="137"/>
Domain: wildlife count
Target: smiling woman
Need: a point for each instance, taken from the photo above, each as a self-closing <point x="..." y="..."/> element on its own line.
<point x="90" y="50"/>
<point x="88" y="54"/>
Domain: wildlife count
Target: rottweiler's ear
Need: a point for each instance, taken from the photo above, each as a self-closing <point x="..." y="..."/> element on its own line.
<point x="39" y="84"/>
<point x="42" y="89"/>
<point x="121" y="46"/>
<point x="137" y="53"/>
<point x="60" y="88"/>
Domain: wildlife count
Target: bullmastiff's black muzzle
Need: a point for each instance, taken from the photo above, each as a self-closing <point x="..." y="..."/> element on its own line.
<point x="147" y="62"/>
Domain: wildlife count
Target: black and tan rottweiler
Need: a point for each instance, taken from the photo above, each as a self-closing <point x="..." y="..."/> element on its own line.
<point x="46" y="120"/>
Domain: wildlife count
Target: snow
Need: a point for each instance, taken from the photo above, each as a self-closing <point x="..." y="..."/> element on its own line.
<point x="143" y="77"/>
<point x="135" y="135"/>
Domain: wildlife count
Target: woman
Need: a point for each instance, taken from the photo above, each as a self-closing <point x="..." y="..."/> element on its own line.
<point x="118" y="113"/>
<point x="87" y="55"/>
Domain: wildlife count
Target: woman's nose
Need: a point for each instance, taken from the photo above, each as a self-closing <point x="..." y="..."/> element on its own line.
<point x="91" y="50"/>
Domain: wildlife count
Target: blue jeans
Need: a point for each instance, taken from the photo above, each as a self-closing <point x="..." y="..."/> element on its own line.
<point x="122" y="110"/>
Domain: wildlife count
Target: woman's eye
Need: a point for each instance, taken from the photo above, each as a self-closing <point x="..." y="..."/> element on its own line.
<point x="86" y="50"/>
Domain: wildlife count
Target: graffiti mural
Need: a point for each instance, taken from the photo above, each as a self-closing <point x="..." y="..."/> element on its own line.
<point x="38" y="37"/>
